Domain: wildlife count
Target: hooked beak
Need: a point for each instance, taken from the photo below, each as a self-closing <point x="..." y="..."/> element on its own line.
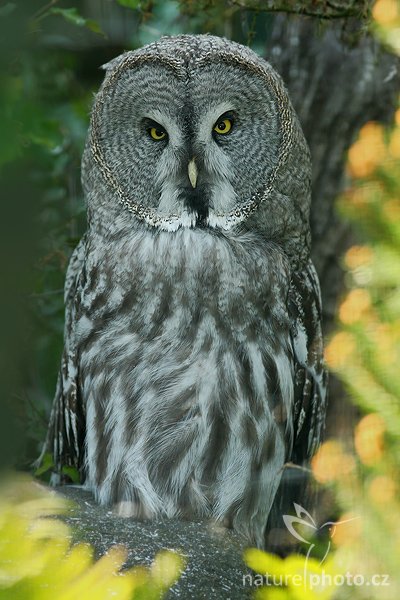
<point x="192" y="172"/>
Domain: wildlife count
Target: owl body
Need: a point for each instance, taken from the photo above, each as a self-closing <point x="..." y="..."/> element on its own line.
<point x="192" y="367"/>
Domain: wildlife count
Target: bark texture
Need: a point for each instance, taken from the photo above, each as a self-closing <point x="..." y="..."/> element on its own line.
<point x="335" y="88"/>
<point x="214" y="565"/>
<point x="330" y="9"/>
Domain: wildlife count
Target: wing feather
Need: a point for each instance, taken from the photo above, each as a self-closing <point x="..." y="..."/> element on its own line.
<point x="66" y="433"/>
<point x="304" y="305"/>
<point x="310" y="398"/>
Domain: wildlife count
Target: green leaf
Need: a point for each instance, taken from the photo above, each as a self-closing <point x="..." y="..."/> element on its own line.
<point x="38" y="560"/>
<point x="134" y="4"/>
<point x="166" y="568"/>
<point x="72" y="473"/>
<point x="263" y="562"/>
<point x="73" y="16"/>
<point x="46" y="464"/>
<point x="69" y="14"/>
<point x="94" y="26"/>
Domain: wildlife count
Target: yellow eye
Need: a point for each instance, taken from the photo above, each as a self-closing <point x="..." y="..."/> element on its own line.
<point x="156" y="133"/>
<point x="223" y="127"/>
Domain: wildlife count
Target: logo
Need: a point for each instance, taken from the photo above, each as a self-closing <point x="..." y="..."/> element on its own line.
<point x="306" y="520"/>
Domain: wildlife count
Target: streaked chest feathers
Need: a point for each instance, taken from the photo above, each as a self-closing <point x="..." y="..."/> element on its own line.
<point x="188" y="387"/>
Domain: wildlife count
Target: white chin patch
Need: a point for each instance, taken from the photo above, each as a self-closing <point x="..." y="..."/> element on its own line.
<point x="185" y="220"/>
<point x="189" y="220"/>
<point x="219" y="221"/>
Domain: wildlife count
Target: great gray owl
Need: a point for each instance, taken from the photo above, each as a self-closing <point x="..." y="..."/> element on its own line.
<point x="192" y="367"/>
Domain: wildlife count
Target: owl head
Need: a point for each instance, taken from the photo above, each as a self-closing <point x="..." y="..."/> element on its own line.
<point x="196" y="131"/>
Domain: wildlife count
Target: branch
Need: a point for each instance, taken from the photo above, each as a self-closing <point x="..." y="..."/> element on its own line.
<point x="43" y="10"/>
<point x="330" y="9"/>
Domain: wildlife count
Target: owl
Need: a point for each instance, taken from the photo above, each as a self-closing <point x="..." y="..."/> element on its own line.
<point x="192" y="367"/>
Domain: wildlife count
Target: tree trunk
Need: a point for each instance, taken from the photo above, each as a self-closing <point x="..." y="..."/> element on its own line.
<point x="335" y="88"/>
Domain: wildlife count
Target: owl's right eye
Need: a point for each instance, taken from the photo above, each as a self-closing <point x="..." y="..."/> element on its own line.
<point x="157" y="133"/>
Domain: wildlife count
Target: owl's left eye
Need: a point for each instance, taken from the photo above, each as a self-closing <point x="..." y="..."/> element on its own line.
<point x="154" y="130"/>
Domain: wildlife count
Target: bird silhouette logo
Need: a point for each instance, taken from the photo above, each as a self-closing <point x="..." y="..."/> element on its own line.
<point x="305" y="519"/>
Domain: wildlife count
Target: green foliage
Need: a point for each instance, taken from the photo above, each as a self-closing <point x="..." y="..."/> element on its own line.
<point x="369" y="314"/>
<point x="73" y="16"/>
<point x="45" y="116"/>
<point x="134" y="4"/>
<point x="46" y="464"/>
<point x="37" y="560"/>
<point x="386" y="23"/>
<point x="366" y="351"/>
<point x="293" y="578"/>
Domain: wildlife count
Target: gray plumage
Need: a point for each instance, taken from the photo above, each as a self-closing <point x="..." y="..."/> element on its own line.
<point x="192" y="368"/>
